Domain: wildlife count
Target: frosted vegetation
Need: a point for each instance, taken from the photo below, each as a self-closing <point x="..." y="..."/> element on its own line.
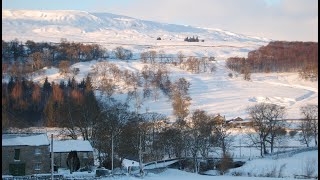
<point x="140" y="85"/>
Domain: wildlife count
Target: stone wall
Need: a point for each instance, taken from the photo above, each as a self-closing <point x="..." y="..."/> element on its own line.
<point x="35" y="158"/>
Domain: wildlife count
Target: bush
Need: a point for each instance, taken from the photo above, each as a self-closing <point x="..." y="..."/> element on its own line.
<point x="75" y="71"/>
<point x="226" y="163"/>
<point x="237" y="173"/>
<point x="64" y="67"/>
<point x="121" y="53"/>
<point x="230" y="75"/>
<point x="293" y="133"/>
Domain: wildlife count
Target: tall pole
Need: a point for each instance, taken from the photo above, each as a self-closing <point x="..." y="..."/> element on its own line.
<point x="140" y="157"/>
<point x="112" y="153"/>
<point x="240" y="147"/>
<point x="51" y="156"/>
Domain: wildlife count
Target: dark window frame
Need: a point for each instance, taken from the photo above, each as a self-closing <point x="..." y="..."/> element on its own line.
<point x="16" y="155"/>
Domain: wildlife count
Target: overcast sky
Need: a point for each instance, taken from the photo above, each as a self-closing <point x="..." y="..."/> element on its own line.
<point x="294" y="20"/>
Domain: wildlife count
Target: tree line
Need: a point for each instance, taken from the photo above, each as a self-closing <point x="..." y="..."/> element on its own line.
<point x="16" y="50"/>
<point x="27" y="104"/>
<point x="280" y="56"/>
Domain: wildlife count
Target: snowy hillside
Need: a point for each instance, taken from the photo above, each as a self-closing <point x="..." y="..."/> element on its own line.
<point x="108" y="29"/>
<point x="52" y="22"/>
<point x="215" y="93"/>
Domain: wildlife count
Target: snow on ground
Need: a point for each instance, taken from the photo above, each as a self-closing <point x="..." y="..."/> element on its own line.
<point x="173" y="174"/>
<point x="216" y="92"/>
<point x="295" y="165"/>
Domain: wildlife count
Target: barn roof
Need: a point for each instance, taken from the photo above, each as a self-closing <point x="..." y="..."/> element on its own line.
<point x="27" y="139"/>
<point x="71" y="145"/>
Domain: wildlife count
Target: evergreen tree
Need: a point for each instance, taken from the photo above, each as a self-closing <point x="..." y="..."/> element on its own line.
<point x="11" y="84"/>
<point x="49" y="113"/>
<point x="62" y="85"/>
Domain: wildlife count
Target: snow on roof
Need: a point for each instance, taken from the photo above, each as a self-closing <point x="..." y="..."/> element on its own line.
<point x="71" y="145"/>
<point x="25" y="139"/>
<point x="127" y="163"/>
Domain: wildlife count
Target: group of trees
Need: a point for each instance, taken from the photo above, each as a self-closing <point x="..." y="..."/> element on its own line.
<point x="20" y="59"/>
<point x="127" y="134"/>
<point x="53" y="52"/>
<point x="189" y="63"/>
<point x="270" y="128"/>
<point x="192" y="39"/>
<point x="122" y="53"/>
<point x="110" y="125"/>
<point x="25" y="103"/>
<point x="280" y="56"/>
<point x="198" y="65"/>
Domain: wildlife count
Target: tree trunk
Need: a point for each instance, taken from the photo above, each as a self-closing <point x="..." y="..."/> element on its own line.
<point x="271" y="144"/>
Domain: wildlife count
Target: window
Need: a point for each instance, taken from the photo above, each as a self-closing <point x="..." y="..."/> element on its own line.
<point x="85" y="155"/>
<point x="17" y="154"/>
<point x="37" y="151"/>
<point x="37" y="166"/>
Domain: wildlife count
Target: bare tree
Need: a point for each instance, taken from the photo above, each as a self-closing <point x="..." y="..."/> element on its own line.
<point x="222" y="135"/>
<point x="266" y="120"/>
<point x="200" y="135"/>
<point x="162" y="55"/>
<point x="144" y="57"/>
<point x="226" y="163"/>
<point x="122" y="53"/>
<point x="107" y="87"/>
<point x="309" y="125"/>
<point x="180" y="57"/>
<point x="115" y="71"/>
<point x="64" y="67"/>
<point x="152" y="56"/>
<point x="246" y="73"/>
<point x="181" y="99"/>
<point x="37" y="60"/>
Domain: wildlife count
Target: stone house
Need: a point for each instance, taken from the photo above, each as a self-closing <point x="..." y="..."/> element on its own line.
<point x="25" y="154"/>
<point x="62" y="149"/>
<point x="219" y="119"/>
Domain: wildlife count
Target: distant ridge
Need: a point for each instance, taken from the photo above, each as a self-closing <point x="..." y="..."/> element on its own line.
<point x="78" y="24"/>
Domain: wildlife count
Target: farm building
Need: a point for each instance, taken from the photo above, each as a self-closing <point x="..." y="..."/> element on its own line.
<point x="25" y="154"/>
<point x="63" y="149"/>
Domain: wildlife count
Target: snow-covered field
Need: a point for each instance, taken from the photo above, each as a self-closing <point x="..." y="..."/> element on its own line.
<point x="218" y="93"/>
<point x="297" y="164"/>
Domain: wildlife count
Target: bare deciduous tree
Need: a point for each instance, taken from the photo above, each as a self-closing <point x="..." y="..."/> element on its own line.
<point x="266" y="120"/>
<point x="64" y="67"/>
<point x="122" y="53"/>
<point x="309" y="125"/>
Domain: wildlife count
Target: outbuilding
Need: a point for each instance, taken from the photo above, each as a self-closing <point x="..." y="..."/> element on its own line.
<point x="25" y="154"/>
<point x="65" y="149"/>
